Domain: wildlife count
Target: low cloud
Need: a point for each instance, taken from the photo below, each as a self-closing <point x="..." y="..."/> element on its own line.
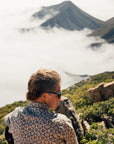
<point x="59" y="49"/>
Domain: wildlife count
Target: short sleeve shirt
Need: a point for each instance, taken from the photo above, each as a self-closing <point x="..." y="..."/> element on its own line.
<point x="35" y="124"/>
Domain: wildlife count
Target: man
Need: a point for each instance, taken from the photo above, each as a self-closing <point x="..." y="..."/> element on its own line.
<point x="35" y="123"/>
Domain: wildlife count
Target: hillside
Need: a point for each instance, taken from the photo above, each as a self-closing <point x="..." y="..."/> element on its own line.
<point x="110" y="21"/>
<point x="106" y="32"/>
<point x="68" y="16"/>
<point x="93" y="113"/>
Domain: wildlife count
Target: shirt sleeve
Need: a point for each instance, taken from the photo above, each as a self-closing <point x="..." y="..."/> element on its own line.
<point x="8" y="122"/>
<point x="70" y="135"/>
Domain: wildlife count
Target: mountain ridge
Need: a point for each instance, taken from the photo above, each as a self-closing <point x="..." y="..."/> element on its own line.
<point x="106" y="31"/>
<point x="69" y="17"/>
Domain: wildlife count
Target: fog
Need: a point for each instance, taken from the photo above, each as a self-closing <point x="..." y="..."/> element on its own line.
<point x="22" y="54"/>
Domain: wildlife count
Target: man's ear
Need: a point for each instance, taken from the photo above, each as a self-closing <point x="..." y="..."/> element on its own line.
<point x="44" y="95"/>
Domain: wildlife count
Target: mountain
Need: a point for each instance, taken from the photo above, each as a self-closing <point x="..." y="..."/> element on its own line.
<point x="106" y="31"/>
<point x="68" y="16"/>
<point x="91" y="112"/>
<point x="110" y="21"/>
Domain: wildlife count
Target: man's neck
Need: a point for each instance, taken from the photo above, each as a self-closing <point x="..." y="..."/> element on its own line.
<point x="40" y="100"/>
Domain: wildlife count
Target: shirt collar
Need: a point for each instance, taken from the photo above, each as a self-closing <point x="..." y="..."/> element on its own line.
<point x="38" y="109"/>
<point x="38" y="105"/>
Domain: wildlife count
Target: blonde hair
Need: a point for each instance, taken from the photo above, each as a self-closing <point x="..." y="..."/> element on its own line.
<point x="43" y="80"/>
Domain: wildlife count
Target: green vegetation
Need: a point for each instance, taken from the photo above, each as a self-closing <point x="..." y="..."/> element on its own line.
<point x="78" y="93"/>
<point x="98" y="135"/>
<point x="93" y="113"/>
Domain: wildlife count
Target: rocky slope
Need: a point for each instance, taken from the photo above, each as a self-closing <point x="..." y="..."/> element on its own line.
<point x="92" y="121"/>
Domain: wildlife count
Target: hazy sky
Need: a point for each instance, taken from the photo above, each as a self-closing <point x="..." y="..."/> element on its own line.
<point x="103" y="9"/>
<point x="21" y="54"/>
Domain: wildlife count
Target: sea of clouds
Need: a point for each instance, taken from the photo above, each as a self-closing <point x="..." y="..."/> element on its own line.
<point x="22" y="54"/>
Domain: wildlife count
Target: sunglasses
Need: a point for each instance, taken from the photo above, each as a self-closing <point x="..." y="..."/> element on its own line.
<point x="57" y="93"/>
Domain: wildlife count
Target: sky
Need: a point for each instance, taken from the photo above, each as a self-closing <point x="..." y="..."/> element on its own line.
<point x="103" y="9"/>
<point x="22" y="54"/>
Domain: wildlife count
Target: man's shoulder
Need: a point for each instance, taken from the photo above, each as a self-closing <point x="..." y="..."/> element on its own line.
<point x="12" y="114"/>
<point x="16" y="111"/>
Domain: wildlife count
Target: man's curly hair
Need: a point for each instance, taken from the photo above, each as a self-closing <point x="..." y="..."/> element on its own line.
<point x="44" y="80"/>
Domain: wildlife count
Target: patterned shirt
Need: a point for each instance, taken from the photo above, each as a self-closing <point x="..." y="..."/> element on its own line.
<point x="35" y="124"/>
